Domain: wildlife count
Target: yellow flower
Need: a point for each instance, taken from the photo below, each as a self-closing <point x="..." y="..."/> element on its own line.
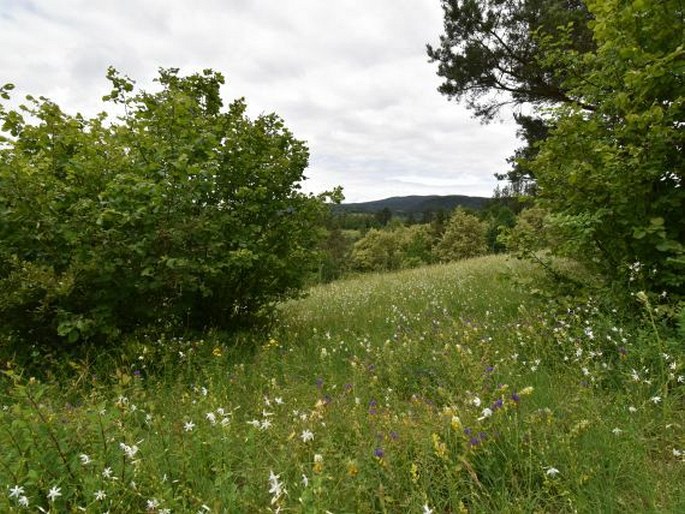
<point x="318" y="463"/>
<point x="216" y="352"/>
<point x="526" y="391"/>
<point x="414" y="470"/>
<point x="439" y="446"/>
<point x="352" y="468"/>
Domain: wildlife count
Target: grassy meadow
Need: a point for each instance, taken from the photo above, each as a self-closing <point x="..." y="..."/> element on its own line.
<point x="456" y="388"/>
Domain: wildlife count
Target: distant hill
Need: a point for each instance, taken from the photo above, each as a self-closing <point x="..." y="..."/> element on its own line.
<point x="406" y="205"/>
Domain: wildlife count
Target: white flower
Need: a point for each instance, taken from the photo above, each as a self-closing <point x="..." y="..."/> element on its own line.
<point x="476" y="401"/>
<point x="188" y="426"/>
<point x="655" y="399"/>
<point x="551" y="472"/>
<point x="85" y="459"/>
<point x="164" y="511"/>
<point x="211" y="417"/>
<point x="632" y="409"/>
<point x="634" y="375"/>
<point x="487" y="412"/>
<point x="54" y="493"/>
<point x="23" y="501"/>
<point x="100" y="495"/>
<point x="107" y="473"/>
<point x="427" y="510"/>
<point x="677" y="453"/>
<point x="152" y="504"/>
<point x="225" y="421"/>
<point x="265" y="424"/>
<point x="255" y="423"/>
<point x="307" y="435"/>
<point x="617" y="431"/>
<point x="130" y="451"/>
<point x="16" y="491"/>
<point x="278" y="400"/>
<point x="275" y="487"/>
<point x="305" y="480"/>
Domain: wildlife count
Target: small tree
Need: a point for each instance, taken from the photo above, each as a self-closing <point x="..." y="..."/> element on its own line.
<point x="464" y="237"/>
<point x="179" y="211"/>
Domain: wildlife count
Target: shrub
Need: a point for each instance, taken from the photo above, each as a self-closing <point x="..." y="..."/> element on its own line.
<point x="464" y="237"/>
<point x="179" y="211"/>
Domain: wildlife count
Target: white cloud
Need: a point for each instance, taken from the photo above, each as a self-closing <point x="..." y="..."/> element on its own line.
<point x="351" y="78"/>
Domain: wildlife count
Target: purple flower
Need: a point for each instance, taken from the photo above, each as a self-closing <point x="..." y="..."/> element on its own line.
<point x="489" y="369"/>
<point x="378" y="452"/>
<point x="319" y="382"/>
<point x="468" y="431"/>
<point x="515" y="397"/>
<point x="497" y="404"/>
<point x="394" y="435"/>
<point x="474" y="441"/>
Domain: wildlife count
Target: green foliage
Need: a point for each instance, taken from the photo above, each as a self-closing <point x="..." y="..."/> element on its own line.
<point x="464" y="237"/>
<point x="394" y="248"/>
<point x="613" y="176"/>
<point x="179" y="211"/>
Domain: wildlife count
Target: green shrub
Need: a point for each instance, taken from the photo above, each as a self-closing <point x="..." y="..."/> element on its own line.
<point x="179" y="210"/>
<point x="464" y="237"/>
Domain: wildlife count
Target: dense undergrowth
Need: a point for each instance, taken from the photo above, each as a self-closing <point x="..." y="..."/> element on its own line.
<point x="454" y="388"/>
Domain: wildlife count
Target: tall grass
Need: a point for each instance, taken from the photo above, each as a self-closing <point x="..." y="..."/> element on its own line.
<point x="449" y="388"/>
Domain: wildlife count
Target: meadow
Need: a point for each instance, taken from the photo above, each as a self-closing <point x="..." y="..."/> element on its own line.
<point x="457" y="388"/>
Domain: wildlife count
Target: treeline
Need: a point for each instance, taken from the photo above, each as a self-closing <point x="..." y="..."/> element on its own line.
<point x="357" y="242"/>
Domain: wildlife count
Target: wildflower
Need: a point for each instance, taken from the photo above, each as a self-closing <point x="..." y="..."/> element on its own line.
<point x="526" y="391"/>
<point x="255" y="423"/>
<point x="100" y="495"/>
<point x="617" y="431"/>
<point x="152" y="504"/>
<point x="455" y="423"/>
<point x="487" y="412"/>
<point x="307" y="435"/>
<point x="278" y="400"/>
<point x="211" y="417"/>
<point x="427" y="510"/>
<point x="130" y="451"/>
<point x="16" y="491"/>
<point x="164" y="511"/>
<point x="188" y="426"/>
<point x="54" y="493"/>
<point x="655" y="399"/>
<point x="305" y="480"/>
<point x="476" y="401"/>
<point x="678" y="453"/>
<point x="551" y="472"/>
<point x="318" y="463"/>
<point x="23" y="501"/>
<point x="275" y="487"/>
<point x="352" y="468"/>
<point x="107" y="473"/>
<point x="632" y="409"/>
<point x="225" y="421"/>
<point x="265" y="424"/>
<point x="85" y="459"/>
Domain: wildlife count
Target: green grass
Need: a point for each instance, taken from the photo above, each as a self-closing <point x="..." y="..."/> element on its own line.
<point x="454" y="388"/>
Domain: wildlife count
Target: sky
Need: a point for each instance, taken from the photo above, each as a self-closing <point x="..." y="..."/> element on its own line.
<point x="350" y="77"/>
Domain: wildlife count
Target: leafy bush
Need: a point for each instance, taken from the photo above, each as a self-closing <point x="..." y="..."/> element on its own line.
<point x="464" y="237"/>
<point x="612" y="172"/>
<point x="179" y="210"/>
<point x="392" y="249"/>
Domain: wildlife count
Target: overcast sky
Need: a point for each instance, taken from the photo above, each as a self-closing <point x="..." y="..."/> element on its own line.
<point x="350" y="77"/>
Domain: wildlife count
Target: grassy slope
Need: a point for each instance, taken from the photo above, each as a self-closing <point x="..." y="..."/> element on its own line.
<point x="450" y="387"/>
